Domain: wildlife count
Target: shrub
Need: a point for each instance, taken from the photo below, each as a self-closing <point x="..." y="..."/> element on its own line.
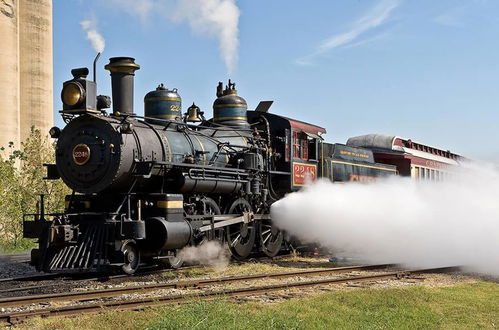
<point x="21" y="183"/>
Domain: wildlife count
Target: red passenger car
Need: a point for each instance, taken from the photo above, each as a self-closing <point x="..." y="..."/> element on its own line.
<point x="411" y="158"/>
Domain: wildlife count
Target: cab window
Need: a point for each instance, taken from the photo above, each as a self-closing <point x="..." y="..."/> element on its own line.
<point x="300" y="145"/>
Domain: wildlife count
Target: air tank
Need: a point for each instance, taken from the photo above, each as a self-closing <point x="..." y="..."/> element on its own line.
<point x="35" y="66"/>
<point x="9" y="76"/>
<point x="229" y="108"/>
<point x="163" y="103"/>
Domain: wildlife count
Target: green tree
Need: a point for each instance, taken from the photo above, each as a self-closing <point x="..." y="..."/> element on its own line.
<point x="21" y="183"/>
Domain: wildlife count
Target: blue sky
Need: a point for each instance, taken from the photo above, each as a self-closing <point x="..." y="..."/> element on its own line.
<point x="426" y="70"/>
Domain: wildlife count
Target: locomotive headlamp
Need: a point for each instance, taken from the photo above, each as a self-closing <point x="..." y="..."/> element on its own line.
<point x="78" y="95"/>
<point x="72" y="94"/>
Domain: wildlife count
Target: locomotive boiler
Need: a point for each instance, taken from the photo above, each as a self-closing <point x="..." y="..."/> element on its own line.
<point x="146" y="186"/>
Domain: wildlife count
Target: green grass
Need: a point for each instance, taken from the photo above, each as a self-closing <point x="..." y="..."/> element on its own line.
<point x="466" y="306"/>
<point x="288" y="265"/>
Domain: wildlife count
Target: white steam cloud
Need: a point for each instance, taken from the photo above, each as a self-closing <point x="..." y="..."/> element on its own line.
<point x="419" y="224"/>
<point x="217" y="18"/>
<point x="212" y="18"/>
<point x="210" y="253"/>
<point x="97" y="40"/>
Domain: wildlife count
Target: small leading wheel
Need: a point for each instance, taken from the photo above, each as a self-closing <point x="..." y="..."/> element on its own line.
<point x="270" y="238"/>
<point x="240" y="236"/>
<point x="131" y="256"/>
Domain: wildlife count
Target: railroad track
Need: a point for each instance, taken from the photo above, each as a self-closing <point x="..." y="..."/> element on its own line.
<point x="99" y="276"/>
<point x="78" y="277"/>
<point x="71" y="279"/>
<point x="21" y="257"/>
<point x="179" y="298"/>
<point x="95" y="294"/>
<point x="83" y="276"/>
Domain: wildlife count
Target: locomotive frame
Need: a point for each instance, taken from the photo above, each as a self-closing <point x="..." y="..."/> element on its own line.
<point x="146" y="187"/>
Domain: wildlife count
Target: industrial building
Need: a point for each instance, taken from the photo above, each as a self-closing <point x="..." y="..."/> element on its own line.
<point x="26" y="69"/>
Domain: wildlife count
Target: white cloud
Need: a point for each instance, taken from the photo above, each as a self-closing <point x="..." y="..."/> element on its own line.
<point x="213" y="18"/>
<point x="142" y="9"/>
<point x="375" y="17"/>
<point x="218" y="18"/>
<point x="452" y="18"/>
<point x="381" y="36"/>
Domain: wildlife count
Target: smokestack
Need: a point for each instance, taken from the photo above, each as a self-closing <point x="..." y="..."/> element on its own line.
<point x="122" y="71"/>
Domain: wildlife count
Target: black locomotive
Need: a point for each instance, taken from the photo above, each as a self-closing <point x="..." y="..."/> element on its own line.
<point x="145" y="187"/>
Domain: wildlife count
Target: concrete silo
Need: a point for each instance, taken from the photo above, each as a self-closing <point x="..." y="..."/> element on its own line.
<point x="35" y="64"/>
<point x="9" y="73"/>
<point x="25" y="69"/>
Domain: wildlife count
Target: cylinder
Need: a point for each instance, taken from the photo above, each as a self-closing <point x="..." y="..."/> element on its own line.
<point x="163" y="104"/>
<point x="9" y="77"/>
<point x="164" y="235"/>
<point x="122" y="72"/>
<point x="35" y="63"/>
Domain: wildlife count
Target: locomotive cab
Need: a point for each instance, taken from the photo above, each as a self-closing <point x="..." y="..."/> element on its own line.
<point x="296" y="148"/>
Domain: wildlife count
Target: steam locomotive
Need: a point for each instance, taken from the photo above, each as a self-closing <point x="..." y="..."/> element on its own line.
<point x="145" y="187"/>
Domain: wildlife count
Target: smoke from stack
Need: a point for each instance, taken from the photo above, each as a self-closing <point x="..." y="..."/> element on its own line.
<point x="400" y="220"/>
<point x="96" y="39"/>
<point x="218" y="18"/>
<point x="212" y="18"/>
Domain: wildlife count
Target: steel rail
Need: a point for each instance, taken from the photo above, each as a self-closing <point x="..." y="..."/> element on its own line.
<point x="87" y="276"/>
<point x="80" y="277"/>
<point x="37" y="277"/>
<point x="12" y="318"/>
<point x="101" y="278"/>
<point x="104" y="276"/>
<point x="23" y="257"/>
<point x="93" y="294"/>
<point x="51" y="276"/>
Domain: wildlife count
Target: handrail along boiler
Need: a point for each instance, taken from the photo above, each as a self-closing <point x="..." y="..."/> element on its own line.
<point x="145" y="187"/>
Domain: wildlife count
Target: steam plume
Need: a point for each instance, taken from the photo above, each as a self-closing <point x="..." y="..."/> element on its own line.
<point x="218" y="18"/>
<point x="210" y="253"/>
<point x="97" y="40"/>
<point x="419" y="224"/>
<point x="213" y="18"/>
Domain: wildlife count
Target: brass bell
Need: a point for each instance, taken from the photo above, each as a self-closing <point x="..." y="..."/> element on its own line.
<point x="194" y="114"/>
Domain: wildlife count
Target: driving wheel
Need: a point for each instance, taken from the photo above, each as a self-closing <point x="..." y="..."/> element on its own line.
<point x="240" y="236"/>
